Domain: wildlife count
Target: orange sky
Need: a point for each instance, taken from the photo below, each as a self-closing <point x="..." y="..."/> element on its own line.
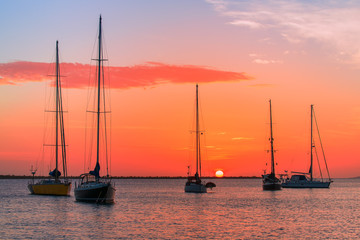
<point x="241" y="58"/>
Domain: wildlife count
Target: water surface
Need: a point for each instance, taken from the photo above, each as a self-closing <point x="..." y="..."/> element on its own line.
<point x="160" y="209"/>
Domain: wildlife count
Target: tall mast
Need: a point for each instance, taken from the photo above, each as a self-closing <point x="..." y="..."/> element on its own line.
<point x="98" y="92"/>
<point x="272" y="143"/>
<point x="57" y="111"/>
<point x="312" y="144"/>
<point x="197" y="130"/>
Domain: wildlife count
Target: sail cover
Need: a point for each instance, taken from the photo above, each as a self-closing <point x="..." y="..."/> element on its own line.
<point x="96" y="170"/>
<point x="55" y="173"/>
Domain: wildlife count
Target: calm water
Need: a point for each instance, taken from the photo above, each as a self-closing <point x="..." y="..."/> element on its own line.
<point x="159" y="209"/>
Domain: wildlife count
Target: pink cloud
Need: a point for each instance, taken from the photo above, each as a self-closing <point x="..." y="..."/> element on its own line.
<point x="149" y="74"/>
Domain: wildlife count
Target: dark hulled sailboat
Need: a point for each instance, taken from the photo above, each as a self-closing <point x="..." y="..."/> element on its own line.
<point x="92" y="187"/>
<point x="270" y="181"/>
<point x="55" y="185"/>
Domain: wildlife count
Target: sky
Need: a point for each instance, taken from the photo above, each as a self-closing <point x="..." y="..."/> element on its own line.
<point x="241" y="53"/>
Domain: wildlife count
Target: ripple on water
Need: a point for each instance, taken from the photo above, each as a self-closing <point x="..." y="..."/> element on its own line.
<point x="159" y="209"/>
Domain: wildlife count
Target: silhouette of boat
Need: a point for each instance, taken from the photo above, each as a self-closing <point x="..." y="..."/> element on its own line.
<point x="270" y="181"/>
<point x="92" y="187"/>
<point x="306" y="180"/>
<point x="55" y="185"/>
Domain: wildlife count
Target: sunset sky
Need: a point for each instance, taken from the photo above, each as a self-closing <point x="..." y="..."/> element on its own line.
<point x="242" y="53"/>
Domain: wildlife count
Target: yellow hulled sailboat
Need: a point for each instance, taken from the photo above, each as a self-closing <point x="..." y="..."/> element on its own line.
<point x="55" y="185"/>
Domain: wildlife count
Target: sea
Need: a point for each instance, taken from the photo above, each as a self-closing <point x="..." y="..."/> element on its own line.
<point x="160" y="209"/>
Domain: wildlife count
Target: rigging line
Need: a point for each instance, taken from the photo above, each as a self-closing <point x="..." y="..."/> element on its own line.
<point x="105" y="127"/>
<point x="317" y="158"/>
<point x="62" y="130"/>
<point x="201" y="131"/>
<point x="110" y="138"/>
<point x="60" y="112"/>
<point x="322" y="149"/>
<point x="192" y="141"/>
<point x="190" y="149"/>
<point x="197" y="132"/>
<point x="57" y="114"/>
<point x="41" y="153"/>
<point x="104" y="115"/>
<point x="85" y="140"/>
<point x="91" y="84"/>
<point x="110" y="117"/>
<point x="64" y="133"/>
<point x="92" y="141"/>
<point x="199" y="155"/>
<point x="91" y="90"/>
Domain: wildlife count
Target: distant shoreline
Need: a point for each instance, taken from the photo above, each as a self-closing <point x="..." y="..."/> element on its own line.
<point x="127" y="177"/>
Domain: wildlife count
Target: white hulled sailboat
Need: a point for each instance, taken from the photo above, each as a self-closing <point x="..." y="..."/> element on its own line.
<point x="54" y="185"/>
<point x="270" y="181"/>
<point x="92" y="187"/>
<point x="306" y="180"/>
<point x="194" y="183"/>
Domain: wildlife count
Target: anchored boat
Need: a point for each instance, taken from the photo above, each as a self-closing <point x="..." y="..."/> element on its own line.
<point x="306" y="180"/>
<point x="270" y="181"/>
<point x="194" y="183"/>
<point x="55" y="185"/>
<point x="92" y="187"/>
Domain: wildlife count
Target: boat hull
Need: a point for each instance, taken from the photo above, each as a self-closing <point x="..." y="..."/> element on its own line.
<point x="306" y="184"/>
<point x="50" y="188"/>
<point x="272" y="186"/>
<point x="95" y="192"/>
<point x="195" y="188"/>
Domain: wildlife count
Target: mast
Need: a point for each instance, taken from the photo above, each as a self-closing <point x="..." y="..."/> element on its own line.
<point x="197" y="131"/>
<point x="312" y="144"/>
<point x="98" y="102"/>
<point x="272" y="144"/>
<point x="57" y="112"/>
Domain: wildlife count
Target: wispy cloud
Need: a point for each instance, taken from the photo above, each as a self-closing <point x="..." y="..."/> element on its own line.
<point x="242" y="138"/>
<point x="333" y="23"/>
<point x="149" y="74"/>
<point x="259" y="59"/>
<point x="262" y="85"/>
<point x="265" y="61"/>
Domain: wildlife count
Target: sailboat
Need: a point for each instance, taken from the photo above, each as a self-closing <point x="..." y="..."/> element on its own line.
<point x="306" y="180"/>
<point x="92" y="187"/>
<point x="194" y="183"/>
<point x="270" y="181"/>
<point x="54" y="185"/>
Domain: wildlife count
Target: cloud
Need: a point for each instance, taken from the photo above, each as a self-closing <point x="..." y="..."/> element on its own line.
<point x="242" y="138"/>
<point x="336" y="24"/>
<point x="264" y="61"/>
<point x="258" y="60"/>
<point x="249" y="24"/>
<point x="262" y="85"/>
<point x="144" y="75"/>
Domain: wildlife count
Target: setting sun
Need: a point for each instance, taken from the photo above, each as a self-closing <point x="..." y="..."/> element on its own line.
<point x="219" y="173"/>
